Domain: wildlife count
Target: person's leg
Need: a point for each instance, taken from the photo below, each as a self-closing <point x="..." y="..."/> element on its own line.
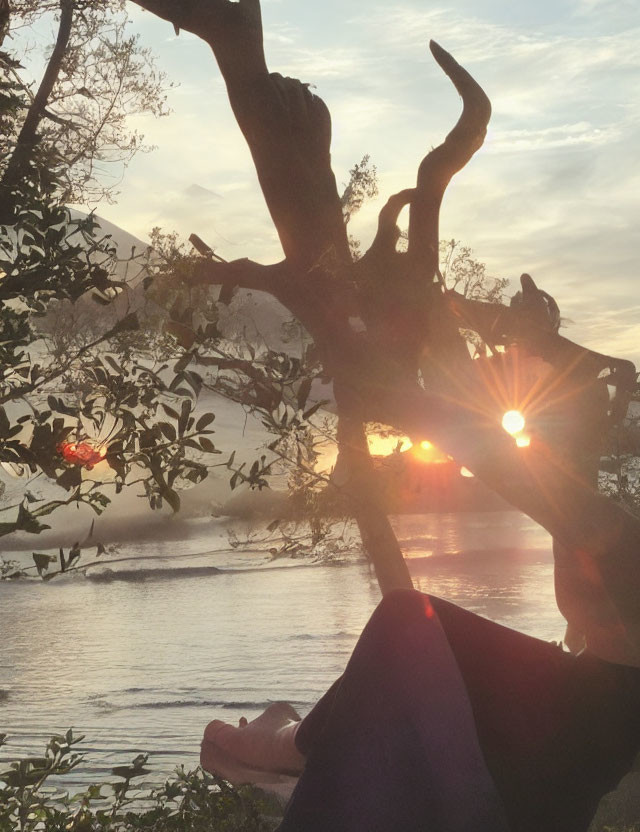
<point x="557" y="730"/>
<point x="396" y="748"/>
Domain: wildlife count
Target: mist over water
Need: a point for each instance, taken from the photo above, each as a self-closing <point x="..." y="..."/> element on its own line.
<point x="143" y="653"/>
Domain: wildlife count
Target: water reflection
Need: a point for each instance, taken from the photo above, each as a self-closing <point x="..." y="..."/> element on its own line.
<point x="142" y="666"/>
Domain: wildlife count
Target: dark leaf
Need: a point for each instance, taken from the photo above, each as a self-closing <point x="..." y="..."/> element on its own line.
<point x="204" y="420"/>
<point x="42" y="562"/>
<point x="303" y="393"/>
<point x="171" y="412"/>
<point x="71" y="478"/>
<point x="309" y="413"/>
<point x="207" y="445"/>
<point x="168" y="430"/>
<point x="185" y="410"/>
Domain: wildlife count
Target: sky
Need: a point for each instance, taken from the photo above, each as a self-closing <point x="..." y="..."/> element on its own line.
<point x="554" y="192"/>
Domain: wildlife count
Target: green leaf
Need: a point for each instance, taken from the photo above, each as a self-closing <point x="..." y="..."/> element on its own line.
<point x="27" y="522"/>
<point x="128" y="772"/>
<point x="190" y="443"/>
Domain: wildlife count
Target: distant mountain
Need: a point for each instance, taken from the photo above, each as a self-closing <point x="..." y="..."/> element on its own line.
<point x="255" y="315"/>
<point x="126" y="242"/>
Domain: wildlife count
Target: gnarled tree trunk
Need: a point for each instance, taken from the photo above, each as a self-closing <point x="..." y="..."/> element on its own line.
<point x="409" y="367"/>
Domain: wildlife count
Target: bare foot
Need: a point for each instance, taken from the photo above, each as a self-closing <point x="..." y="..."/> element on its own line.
<point x="266" y="743"/>
<point x="214" y="759"/>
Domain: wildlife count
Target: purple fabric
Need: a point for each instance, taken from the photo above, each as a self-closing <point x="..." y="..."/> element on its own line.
<point x="445" y="721"/>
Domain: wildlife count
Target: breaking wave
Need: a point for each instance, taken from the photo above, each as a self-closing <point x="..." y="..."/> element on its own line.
<point x="133" y="575"/>
<point x="248" y="705"/>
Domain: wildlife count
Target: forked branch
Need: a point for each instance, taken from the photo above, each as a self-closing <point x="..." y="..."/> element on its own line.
<point x="388" y="232"/>
<point x="288" y="132"/>
<point x="440" y="165"/>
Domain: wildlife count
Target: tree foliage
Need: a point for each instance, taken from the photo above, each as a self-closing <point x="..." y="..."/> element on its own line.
<point x="385" y="327"/>
<point x="100" y="413"/>
<point x="96" y="76"/>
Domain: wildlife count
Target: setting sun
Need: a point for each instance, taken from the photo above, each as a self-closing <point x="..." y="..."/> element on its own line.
<point x="513" y="421"/>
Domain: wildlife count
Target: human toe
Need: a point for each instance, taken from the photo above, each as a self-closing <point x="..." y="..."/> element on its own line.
<point x="219" y="732"/>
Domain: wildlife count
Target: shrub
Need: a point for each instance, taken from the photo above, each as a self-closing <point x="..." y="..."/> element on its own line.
<point x="189" y="801"/>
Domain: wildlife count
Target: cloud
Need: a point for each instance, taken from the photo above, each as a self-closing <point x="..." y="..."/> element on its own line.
<point x="607" y="14"/>
<point x="560" y="136"/>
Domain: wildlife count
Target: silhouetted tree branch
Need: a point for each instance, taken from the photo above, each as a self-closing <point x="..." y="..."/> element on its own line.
<point x="406" y="365"/>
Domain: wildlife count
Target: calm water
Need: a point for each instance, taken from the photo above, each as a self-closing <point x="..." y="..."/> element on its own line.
<point x="140" y="662"/>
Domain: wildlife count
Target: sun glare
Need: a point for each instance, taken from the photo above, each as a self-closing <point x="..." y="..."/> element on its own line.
<point x="523" y="441"/>
<point x="381" y="445"/>
<point x="513" y="421"/>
